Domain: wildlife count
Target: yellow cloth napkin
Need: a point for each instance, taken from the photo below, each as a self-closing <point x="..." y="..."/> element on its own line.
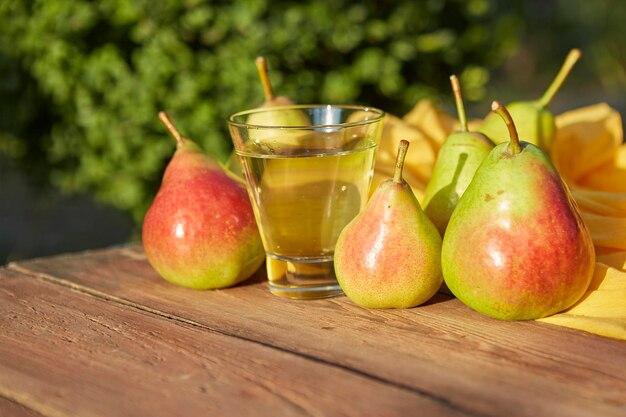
<point x="589" y="153"/>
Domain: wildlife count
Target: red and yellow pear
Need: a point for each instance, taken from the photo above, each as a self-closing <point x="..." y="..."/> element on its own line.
<point x="200" y="230"/>
<point x="516" y="247"/>
<point x="389" y="255"/>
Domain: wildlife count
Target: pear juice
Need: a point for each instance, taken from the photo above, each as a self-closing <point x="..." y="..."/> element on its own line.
<point x="302" y="200"/>
<point x="307" y="170"/>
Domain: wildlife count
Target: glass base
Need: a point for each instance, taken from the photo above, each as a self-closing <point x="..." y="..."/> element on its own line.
<point x="302" y="279"/>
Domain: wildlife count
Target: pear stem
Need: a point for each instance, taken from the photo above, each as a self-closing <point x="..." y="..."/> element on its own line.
<point x="171" y="128"/>
<point x="514" y="144"/>
<point x="261" y="66"/>
<point x="460" y="107"/>
<point x="569" y="63"/>
<point x="402" y="148"/>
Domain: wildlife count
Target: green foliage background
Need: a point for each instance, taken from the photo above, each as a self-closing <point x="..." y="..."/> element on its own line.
<point x="81" y="81"/>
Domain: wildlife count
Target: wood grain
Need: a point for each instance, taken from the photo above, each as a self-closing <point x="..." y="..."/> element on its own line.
<point x="66" y="353"/>
<point x="443" y="350"/>
<point x="9" y="408"/>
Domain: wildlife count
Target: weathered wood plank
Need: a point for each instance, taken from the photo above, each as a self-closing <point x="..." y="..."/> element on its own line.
<point x="66" y="353"/>
<point x="476" y="364"/>
<point x="9" y="408"/>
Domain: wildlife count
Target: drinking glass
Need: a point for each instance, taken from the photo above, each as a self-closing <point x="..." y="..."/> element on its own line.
<point x="307" y="170"/>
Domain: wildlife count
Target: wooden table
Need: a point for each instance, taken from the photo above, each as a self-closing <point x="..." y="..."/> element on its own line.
<point x="100" y="334"/>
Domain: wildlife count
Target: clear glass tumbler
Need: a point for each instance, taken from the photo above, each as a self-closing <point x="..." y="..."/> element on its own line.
<point x="307" y="170"/>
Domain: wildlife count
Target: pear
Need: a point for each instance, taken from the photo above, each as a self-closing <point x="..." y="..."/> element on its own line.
<point x="389" y="255"/>
<point x="458" y="159"/>
<point x="533" y="119"/>
<point x="200" y="230"/>
<point x="267" y="139"/>
<point x="263" y="140"/>
<point x="516" y="247"/>
<point x="268" y="92"/>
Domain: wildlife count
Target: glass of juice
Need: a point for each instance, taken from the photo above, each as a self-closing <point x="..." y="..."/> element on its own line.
<point x="307" y="170"/>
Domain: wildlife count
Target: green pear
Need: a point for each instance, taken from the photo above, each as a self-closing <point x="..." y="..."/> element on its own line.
<point x="270" y="99"/>
<point x="263" y="140"/>
<point x="458" y="159"/>
<point x="389" y="255"/>
<point x="516" y="247"/>
<point x="271" y="114"/>
<point x="533" y="119"/>
<point x="200" y="230"/>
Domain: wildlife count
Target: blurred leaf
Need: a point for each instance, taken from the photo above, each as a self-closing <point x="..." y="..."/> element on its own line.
<point x="82" y="81"/>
